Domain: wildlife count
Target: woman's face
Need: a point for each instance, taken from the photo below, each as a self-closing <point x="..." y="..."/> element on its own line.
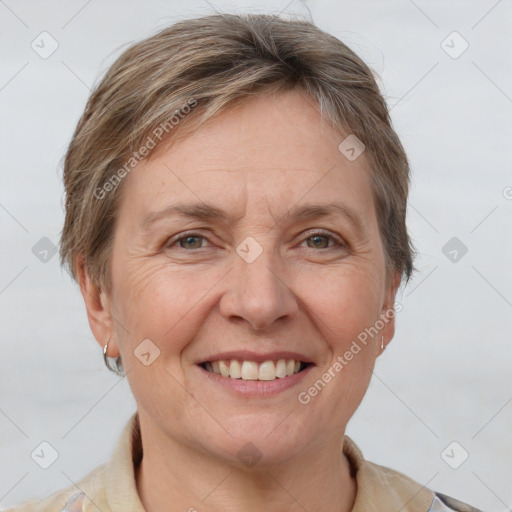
<point x="252" y="239"/>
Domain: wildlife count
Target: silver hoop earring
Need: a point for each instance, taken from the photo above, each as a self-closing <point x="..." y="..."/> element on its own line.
<point x="116" y="366"/>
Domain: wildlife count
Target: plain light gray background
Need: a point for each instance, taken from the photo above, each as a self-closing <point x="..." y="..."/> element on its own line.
<point x="447" y="374"/>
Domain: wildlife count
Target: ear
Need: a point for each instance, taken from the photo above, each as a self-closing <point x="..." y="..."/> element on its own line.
<point x="388" y="311"/>
<point x="98" y="309"/>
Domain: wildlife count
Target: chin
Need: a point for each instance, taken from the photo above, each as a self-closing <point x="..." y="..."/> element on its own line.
<point x="261" y="440"/>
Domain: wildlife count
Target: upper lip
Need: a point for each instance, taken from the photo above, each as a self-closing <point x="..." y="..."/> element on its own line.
<point x="247" y="355"/>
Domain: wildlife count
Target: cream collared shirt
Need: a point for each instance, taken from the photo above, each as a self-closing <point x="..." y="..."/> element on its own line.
<point x="112" y="487"/>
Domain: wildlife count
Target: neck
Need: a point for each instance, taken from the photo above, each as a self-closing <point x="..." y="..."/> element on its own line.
<point x="175" y="477"/>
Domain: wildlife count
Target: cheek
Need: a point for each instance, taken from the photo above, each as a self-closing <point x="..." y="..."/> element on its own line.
<point x="346" y="309"/>
<point x="354" y="307"/>
<point x="346" y="302"/>
<point x="165" y="305"/>
<point x="156" y="304"/>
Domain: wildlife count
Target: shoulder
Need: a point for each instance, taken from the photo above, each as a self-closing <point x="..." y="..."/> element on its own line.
<point x="70" y="499"/>
<point x="417" y="497"/>
<point x="443" y="503"/>
<point x="66" y="500"/>
<point x="383" y="488"/>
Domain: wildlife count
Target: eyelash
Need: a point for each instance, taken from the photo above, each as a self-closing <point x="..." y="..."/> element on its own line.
<point x="312" y="234"/>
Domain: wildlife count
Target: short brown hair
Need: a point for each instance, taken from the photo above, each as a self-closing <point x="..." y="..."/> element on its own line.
<point x="207" y="64"/>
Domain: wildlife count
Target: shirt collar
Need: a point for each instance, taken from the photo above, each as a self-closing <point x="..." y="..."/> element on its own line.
<point x="120" y="484"/>
<point x="378" y="488"/>
<point x="381" y="488"/>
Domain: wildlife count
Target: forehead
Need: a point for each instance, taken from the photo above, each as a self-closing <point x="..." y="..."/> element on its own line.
<point x="266" y="155"/>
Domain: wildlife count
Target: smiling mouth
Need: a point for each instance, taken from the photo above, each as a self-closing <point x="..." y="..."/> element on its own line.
<point x="251" y="370"/>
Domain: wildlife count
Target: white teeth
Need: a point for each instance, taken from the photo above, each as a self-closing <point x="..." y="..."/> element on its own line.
<point x="250" y="370"/>
<point x="267" y="371"/>
<point x="215" y="367"/>
<point x="281" y="369"/>
<point x="224" y="369"/>
<point x="235" y="370"/>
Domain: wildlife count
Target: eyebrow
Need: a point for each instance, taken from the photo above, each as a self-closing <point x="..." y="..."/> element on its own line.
<point x="206" y="211"/>
<point x="191" y="210"/>
<point x="316" y="211"/>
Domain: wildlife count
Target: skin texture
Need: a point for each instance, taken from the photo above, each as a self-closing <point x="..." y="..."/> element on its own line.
<point x="198" y="297"/>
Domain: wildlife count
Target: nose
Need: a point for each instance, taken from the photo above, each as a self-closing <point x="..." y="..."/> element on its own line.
<point x="258" y="293"/>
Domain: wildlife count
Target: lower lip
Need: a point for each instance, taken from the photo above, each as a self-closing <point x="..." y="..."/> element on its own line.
<point x="256" y="388"/>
